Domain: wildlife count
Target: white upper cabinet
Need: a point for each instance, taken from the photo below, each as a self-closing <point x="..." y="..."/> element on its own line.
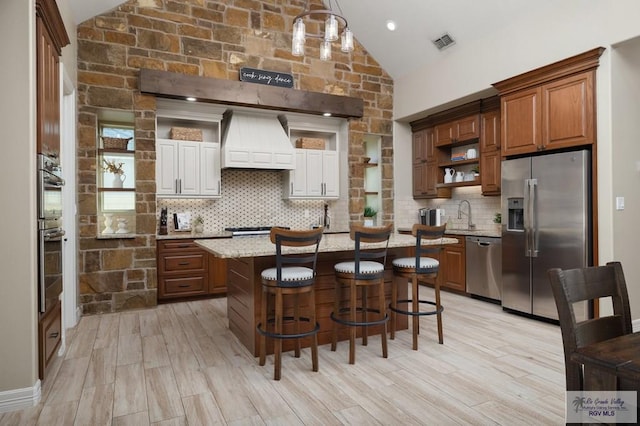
<point x="188" y="168"/>
<point x="317" y="172"/>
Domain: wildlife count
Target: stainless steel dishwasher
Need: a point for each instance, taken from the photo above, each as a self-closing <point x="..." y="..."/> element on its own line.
<point x="484" y="267"/>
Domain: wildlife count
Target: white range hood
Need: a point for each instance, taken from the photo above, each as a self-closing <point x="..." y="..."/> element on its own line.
<point x="255" y="140"/>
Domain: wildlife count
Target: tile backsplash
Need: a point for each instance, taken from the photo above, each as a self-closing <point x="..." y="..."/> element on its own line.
<point x="254" y="198"/>
<point x="483" y="209"/>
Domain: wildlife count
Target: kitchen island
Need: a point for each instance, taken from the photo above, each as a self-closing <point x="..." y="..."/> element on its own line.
<point x="248" y="256"/>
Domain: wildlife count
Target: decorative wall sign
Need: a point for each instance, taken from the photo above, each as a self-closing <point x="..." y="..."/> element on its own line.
<point x="270" y="78"/>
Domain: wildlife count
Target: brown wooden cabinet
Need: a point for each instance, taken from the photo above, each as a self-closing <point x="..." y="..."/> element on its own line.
<point x="186" y="270"/>
<point x="549" y="108"/>
<point x="51" y="37"/>
<point x="490" y="155"/>
<point x="49" y="337"/>
<point x="217" y="275"/>
<point x="568" y="112"/>
<point x="439" y="139"/>
<point x="460" y="130"/>
<point x="453" y="266"/>
<point x="425" y="166"/>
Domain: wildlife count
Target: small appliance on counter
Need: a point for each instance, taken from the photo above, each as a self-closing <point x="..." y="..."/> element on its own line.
<point x="431" y="217"/>
<point x="163" y="222"/>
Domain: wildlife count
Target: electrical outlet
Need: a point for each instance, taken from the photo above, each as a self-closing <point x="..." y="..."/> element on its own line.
<point x="619" y="203"/>
<point x="306" y="213"/>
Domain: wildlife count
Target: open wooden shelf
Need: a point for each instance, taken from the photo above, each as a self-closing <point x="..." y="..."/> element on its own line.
<point x="457" y="184"/>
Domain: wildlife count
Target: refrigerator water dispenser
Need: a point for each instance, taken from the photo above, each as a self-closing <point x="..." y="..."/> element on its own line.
<point x="515" y="220"/>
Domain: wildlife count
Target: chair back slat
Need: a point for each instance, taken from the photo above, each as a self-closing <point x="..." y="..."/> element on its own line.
<point x="368" y="234"/>
<point x="293" y="238"/>
<point x="588" y="284"/>
<point x="426" y="232"/>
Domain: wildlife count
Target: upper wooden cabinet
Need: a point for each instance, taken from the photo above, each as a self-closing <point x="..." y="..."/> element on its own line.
<point x="425" y="166"/>
<point x="51" y="37"/>
<point x="443" y="140"/>
<point x="460" y="130"/>
<point x="490" y="158"/>
<point x="550" y="108"/>
<point x="568" y="111"/>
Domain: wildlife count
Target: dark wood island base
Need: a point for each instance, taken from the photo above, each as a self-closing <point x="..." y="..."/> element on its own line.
<point x="244" y="295"/>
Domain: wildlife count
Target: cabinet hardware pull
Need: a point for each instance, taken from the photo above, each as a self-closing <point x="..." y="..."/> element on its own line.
<point x="291" y="188"/>
<point x="183" y="263"/>
<point x="183" y="246"/>
<point x="54" y="335"/>
<point x="219" y="188"/>
<point x="184" y="285"/>
<point x="176" y="186"/>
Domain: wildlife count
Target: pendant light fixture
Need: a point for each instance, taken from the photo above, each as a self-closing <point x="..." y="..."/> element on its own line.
<point x="335" y="27"/>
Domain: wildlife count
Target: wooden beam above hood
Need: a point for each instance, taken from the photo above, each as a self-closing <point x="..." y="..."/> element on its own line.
<point x="228" y="92"/>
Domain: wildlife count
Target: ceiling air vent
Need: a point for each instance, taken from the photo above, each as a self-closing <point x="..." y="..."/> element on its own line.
<point x="444" y="41"/>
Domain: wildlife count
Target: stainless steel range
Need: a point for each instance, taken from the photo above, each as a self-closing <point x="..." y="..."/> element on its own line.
<point x="251" y="230"/>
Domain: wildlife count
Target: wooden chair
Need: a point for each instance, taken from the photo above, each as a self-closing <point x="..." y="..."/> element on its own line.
<point x="587" y="284"/>
<point x="366" y="270"/>
<point x="424" y="266"/>
<point x="293" y="275"/>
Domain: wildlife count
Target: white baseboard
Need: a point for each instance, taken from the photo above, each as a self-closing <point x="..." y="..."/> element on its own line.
<point x="17" y="399"/>
<point x="635" y="325"/>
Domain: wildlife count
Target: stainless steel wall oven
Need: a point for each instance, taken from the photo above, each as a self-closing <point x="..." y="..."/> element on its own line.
<point x="50" y="232"/>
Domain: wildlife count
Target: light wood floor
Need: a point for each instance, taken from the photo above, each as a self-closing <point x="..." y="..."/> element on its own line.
<point x="178" y="364"/>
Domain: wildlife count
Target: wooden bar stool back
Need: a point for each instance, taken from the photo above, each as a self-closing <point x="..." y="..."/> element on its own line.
<point x="424" y="266"/>
<point x="589" y="284"/>
<point x="366" y="270"/>
<point x="293" y="275"/>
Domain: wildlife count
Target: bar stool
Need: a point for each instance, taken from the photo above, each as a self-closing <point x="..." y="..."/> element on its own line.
<point x="366" y="270"/>
<point x="422" y="267"/>
<point x="293" y="275"/>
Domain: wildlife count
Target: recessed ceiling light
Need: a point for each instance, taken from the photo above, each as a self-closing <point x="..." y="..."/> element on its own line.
<point x="391" y="25"/>
<point x="326" y="114"/>
<point x="191" y="99"/>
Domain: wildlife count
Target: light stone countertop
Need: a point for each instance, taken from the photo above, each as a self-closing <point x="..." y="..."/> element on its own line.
<point x="255" y="246"/>
<point x="191" y="235"/>
<point x="466" y="232"/>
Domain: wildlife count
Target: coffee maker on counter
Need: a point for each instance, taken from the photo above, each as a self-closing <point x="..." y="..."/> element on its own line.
<point x="431" y="217"/>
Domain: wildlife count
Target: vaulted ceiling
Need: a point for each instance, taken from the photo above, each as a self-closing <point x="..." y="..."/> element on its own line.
<point x="410" y="46"/>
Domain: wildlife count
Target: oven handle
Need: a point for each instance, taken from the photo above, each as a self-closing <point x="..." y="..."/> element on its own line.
<point x="51" y="181"/>
<point x="53" y="235"/>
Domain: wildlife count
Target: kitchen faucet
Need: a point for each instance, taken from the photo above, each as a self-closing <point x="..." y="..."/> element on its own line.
<point x="470" y="225"/>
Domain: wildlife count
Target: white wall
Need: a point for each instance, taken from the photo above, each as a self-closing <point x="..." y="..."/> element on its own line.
<point x="570" y="28"/>
<point x="18" y="246"/>
<point x="625" y="110"/>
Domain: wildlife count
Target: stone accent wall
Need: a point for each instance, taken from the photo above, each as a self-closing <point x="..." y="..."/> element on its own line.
<point x="212" y="39"/>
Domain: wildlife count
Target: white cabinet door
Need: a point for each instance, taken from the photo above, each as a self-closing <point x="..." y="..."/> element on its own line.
<point x="315" y="181"/>
<point x="189" y="168"/>
<point x="316" y="175"/>
<point x="166" y="167"/>
<point x="330" y="174"/>
<point x="209" y="168"/>
<point x="297" y="181"/>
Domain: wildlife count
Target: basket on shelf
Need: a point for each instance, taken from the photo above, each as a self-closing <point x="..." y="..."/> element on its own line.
<point x="310" y="143"/>
<point x="115" y="143"/>
<point x="186" y="134"/>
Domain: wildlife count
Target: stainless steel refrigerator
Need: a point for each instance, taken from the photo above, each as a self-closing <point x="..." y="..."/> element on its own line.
<point x="546" y="211"/>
